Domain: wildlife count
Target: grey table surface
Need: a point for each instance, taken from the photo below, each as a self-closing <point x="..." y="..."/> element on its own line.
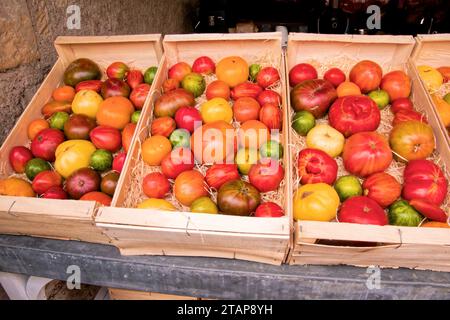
<point x="214" y="278"/>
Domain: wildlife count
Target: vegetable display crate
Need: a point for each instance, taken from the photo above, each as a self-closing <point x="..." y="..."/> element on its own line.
<point x="67" y="219"/>
<point x="153" y="232"/>
<point x="334" y="243"/>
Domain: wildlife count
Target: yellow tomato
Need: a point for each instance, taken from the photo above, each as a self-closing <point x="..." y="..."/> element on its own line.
<point x="327" y="139"/>
<point x="317" y="202"/>
<point x="16" y="187"/>
<point x="87" y="102"/>
<point x="232" y="71"/>
<point x="431" y="77"/>
<point x="245" y="159"/>
<point x="204" y="205"/>
<point x="443" y="109"/>
<point x="216" y="109"/>
<point x="73" y="155"/>
<point x="158" y="204"/>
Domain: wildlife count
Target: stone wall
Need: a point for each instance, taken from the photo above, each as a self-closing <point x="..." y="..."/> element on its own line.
<point x="29" y="27"/>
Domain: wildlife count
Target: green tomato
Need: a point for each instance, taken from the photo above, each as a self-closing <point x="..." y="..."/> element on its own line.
<point x="245" y="158"/>
<point x="180" y="138"/>
<point x="254" y="69"/>
<point x="58" y="119"/>
<point x="194" y="83"/>
<point x="447" y="98"/>
<point x="303" y="122"/>
<point x="347" y="187"/>
<point x="380" y="97"/>
<point x="271" y="149"/>
<point x="149" y="75"/>
<point x="401" y="213"/>
<point x="204" y="205"/>
<point x="36" y="166"/>
<point x="135" y="116"/>
<point x="101" y="160"/>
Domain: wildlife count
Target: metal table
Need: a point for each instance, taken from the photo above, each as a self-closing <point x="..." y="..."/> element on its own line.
<point x="214" y="278"/>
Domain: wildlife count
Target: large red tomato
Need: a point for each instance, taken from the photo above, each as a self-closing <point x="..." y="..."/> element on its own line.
<point x="429" y="210"/>
<point x="219" y="174"/>
<point x="269" y="210"/>
<point x="300" y="73"/>
<point x="107" y="138"/>
<point x="267" y="76"/>
<point x="353" y="114"/>
<point x="424" y="180"/>
<point x="155" y="185"/>
<point x="139" y="95"/>
<point x="269" y="96"/>
<point x="266" y="175"/>
<point x="335" y="76"/>
<point x="246" y="89"/>
<point x="383" y="188"/>
<point x="203" y="65"/>
<point x="188" y="118"/>
<point x="366" y="153"/>
<point x="18" y="158"/>
<point x="362" y="210"/>
<point x="412" y="140"/>
<point x="270" y="115"/>
<point x="397" y="84"/>
<point x="366" y="75"/>
<point x="245" y="109"/>
<point x="45" y="143"/>
<point x="238" y="198"/>
<point x="402" y="104"/>
<point x="177" y="161"/>
<point x="408" y="115"/>
<point x="45" y="180"/>
<point x="315" y="166"/>
<point x="314" y="96"/>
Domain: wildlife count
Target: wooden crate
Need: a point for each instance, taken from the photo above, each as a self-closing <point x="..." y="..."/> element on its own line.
<point x="67" y="219"/>
<point x="332" y="243"/>
<point x="151" y="232"/>
<point x="121" y="294"/>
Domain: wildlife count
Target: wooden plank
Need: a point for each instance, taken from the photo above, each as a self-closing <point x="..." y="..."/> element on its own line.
<point x="121" y="294"/>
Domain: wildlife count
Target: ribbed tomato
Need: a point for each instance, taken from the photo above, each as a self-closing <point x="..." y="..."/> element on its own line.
<point x="402" y="104"/>
<point x="367" y="75"/>
<point x="219" y="174"/>
<point x="429" y="210"/>
<point x="315" y="166"/>
<point x="314" y="96"/>
<point x="163" y="126"/>
<point x="383" y="188"/>
<point x="412" y="140"/>
<point x="269" y="96"/>
<point x="270" y="115"/>
<point x="246" y="89"/>
<point x="107" y="138"/>
<point x="266" y="175"/>
<point x="267" y="76"/>
<point x="362" y="210"/>
<point x="245" y="109"/>
<point x="176" y="162"/>
<point x="397" y="84"/>
<point x="408" y="115"/>
<point x="269" y="210"/>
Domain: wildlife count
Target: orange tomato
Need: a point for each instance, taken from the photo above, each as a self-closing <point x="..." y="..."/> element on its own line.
<point x="435" y="224"/>
<point x="245" y="109"/>
<point x="115" y="112"/>
<point x="348" y="88"/>
<point x="35" y="127"/>
<point x="232" y="70"/>
<point x="127" y="135"/>
<point x="189" y="186"/>
<point x="65" y="93"/>
<point x="253" y="134"/>
<point x="218" y="89"/>
<point x="100" y="197"/>
<point x="163" y="126"/>
<point x="443" y="109"/>
<point x="154" y="149"/>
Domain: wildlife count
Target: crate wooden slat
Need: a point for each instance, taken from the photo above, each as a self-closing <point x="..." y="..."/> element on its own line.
<point x="67" y="219"/>
<point x="122" y="294"/>
<point x="332" y="243"/>
<point x="149" y="232"/>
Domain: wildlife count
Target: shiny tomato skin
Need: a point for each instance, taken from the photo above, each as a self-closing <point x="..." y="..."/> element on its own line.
<point x="238" y="198"/>
<point x="46" y="142"/>
<point x="397" y="84"/>
<point x="270" y="115"/>
<point x="119" y="161"/>
<point x="107" y="138"/>
<point x="267" y="76"/>
<point x="266" y="175"/>
<point x="366" y="75"/>
<point x="408" y="115"/>
<point x="246" y="89"/>
<point x="362" y="210"/>
<point x="401" y="104"/>
<point x="269" y="210"/>
<point x="18" y="158"/>
<point x="246" y="108"/>
<point x="134" y="78"/>
<point x="187" y="118"/>
<point x="177" y="162"/>
<point x="269" y="96"/>
<point x="315" y="96"/>
<point x="155" y="185"/>
<point x="219" y="174"/>
<point x="429" y="210"/>
<point x="139" y="95"/>
<point x="316" y="166"/>
<point x="218" y="89"/>
<point x="203" y="65"/>
<point x="301" y="72"/>
<point x="383" y="188"/>
<point x="163" y="126"/>
<point x="335" y="76"/>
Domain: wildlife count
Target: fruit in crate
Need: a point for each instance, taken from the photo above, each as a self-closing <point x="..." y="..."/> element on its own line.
<point x="362" y="210"/>
<point x="58" y="119"/>
<point x="163" y="126"/>
<point x="170" y="85"/>
<point x="78" y="126"/>
<point x="101" y="160"/>
<point x="366" y="75"/>
<point x="397" y="84"/>
<point x="45" y="180"/>
<point x="115" y="88"/>
<point x="269" y="210"/>
<point x="270" y="114"/>
<point x="180" y="138"/>
<point x="189" y="186"/>
<point x="401" y="213"/>
<point x="254" y="69"/>
<point x="366" y="153"/>
<point x="403" y="116"/>
<point x="169" y="103"/>
<point x="108" y="138"/>
<point x="380" y="97"/>
<point x="81" y="70"/>
<point x="155" y="185"/>
<point x="194" y="83"/>
<point x="445" y="72"/>
<point x="219" y="174"/>
<point x="64" y="94"/>
<point x="36" y="166"/>
<point x="301" y="72"/>
<point x="73" y="155"/>
<point x="252" y="134"/>
<point x="117" y="70"/>
<point x="16" y="187"/>
<point x="56" y="106"/>
<point x="203" y="65"/>
<point x="443" y="109"/>
<point x="246" y="89"/>
<point x="316" y="202"/>
<point x="429" y="210"/>
<point x="218" y="89"/>
<point x="82" y="181"/>
<point x="245" y="109"/>
<point x="87" y="102"/>
<point x="424" y="180"/>
<point x="347" y="187"/>
<point x="179" y="71"/>
<point x="315" y="166"/>
<point x="154" y="149"/>
<point x="115" y="112"/>
<point x="188" y="118"/>
<point x="314" y="96"/>
<point x="94" y="85"/>
<point x="109" y="182"/>
<point x="348" y="88"/>
<point x="35" y="127"/>
<point x="303" y="122"/>
<point x="412" y="140"/>
<point x="353" y="114"/>
<point x="335" y="76"/>
<point x="149" y="75"/>
<point x="134" y="78"/>
<point x="245" y="159"/>
<point x="383" y="188"/>
<point x="204" y="205"/>
<point x="45" y="144"/>
<point x="327" y="139"/>
<point x="232" y="70"/>
<point x="431" y="77"/>
<point x="18" y="158"/>
<point x="217" y="109"/>
<point x="127" y="135"/>
<point x="267" y="77"/>
<point x="238" y="198"/>
<point x="266" y="175"/>
<point x="402" y="104"/>
<point x="97" y="196"/>
<point x="271" y="149"/>
<point x="177" y="162"/>
<point x="55" y="193"/>
<point x="119" y="162"/>
<point x="269" y="96"/>
<point x="156" y="204"/>
<point x="139" y="95"/>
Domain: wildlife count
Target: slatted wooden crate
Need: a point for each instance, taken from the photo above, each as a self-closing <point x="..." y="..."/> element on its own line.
<point x="333" y="243"/>
<point x="149" y="232"/>
<point x="67" y="219"/>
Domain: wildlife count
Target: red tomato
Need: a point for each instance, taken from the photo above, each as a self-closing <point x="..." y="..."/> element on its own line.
<point x="335" y="76"/>
<point x="95" y="85"/>
<point x="266" y="175"/>
<point x="383" y="188"/>
<point x="97" y="196"/>
<point x="203" y="65"/>
<point x="445" y="71"/>
<point x="267" y="76"/>
<point x="408" y="115"/>
<point x="127" y="135"/>
<point x="170" y="85"/>
<point x="45" y="180"/>
<point x="218" y="89"/>
<point x="176" y="162"/>
<point x="429" y="210"/>
<point x="397" y="84"/>
<point x="155" y="185"/>
<point x="134" y="78"/>
<point x="107" y="138"/>
<point x="163" y="126"/>
<point x="245" y="109"/>
<point x="362" y="210"/>
<point x="353" y="114"/>
<point x="119" y="161"/>
<point x="219" y="174"/>
<point x="45" y="143"/>
<point x="366" y="75"/>
<point x="401" y="104"/>
<point x="269" y="96"/>
<point x="246" y="89"/>
<point x="269" y="210"/>
<point x="314" y="96"/>
<point x="270" y="115"/>
<point x="179" y="71"/>
<point x="139" y="95"/>
<point x="18" y="158"/>
<point x="300" y="73"/>
<point x="55" y="193"/>
<point x="316" y="166"/>
<point x="188" y="118"/>
<point x="366" y="153"/>
<point x="424" y="180"/>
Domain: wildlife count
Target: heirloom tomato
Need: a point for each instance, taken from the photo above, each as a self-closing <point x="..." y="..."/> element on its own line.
<point x="155" y="185"/>
<point x="383" y="188"/>
<point x="270" y="114"/>
<point x="412" y="140"/>
<point x="176" y="162"/>
<point x="189" y="186"/>
<point x="429" y="210"/>
<point x="266" y="175"/>
<point x="315" y="166"/>
<point x="362" y="210"/>
<point x="219" y="174"/>
<point x="232" y="70"/>
<point x="73" y="155"/>
<point x="269" y="210"/>
<point x="154" y="149"/>
<point x="163" y="126"/>
<point x="367" y="75"/>
<point x="317" y="202"/>
<point x="397" y="84"/>
<point x="115" y="112"/>
<point x="301" y="72"/>
<point x="314" y="96"/>
<point x="238" y="198"/>
<point x="245" y="109"/>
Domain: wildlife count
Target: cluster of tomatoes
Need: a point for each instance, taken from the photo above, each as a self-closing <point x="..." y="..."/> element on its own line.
<point x="202" y="149"/>
<point x="78" y="148"/>
<point x="353" y="109"/>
